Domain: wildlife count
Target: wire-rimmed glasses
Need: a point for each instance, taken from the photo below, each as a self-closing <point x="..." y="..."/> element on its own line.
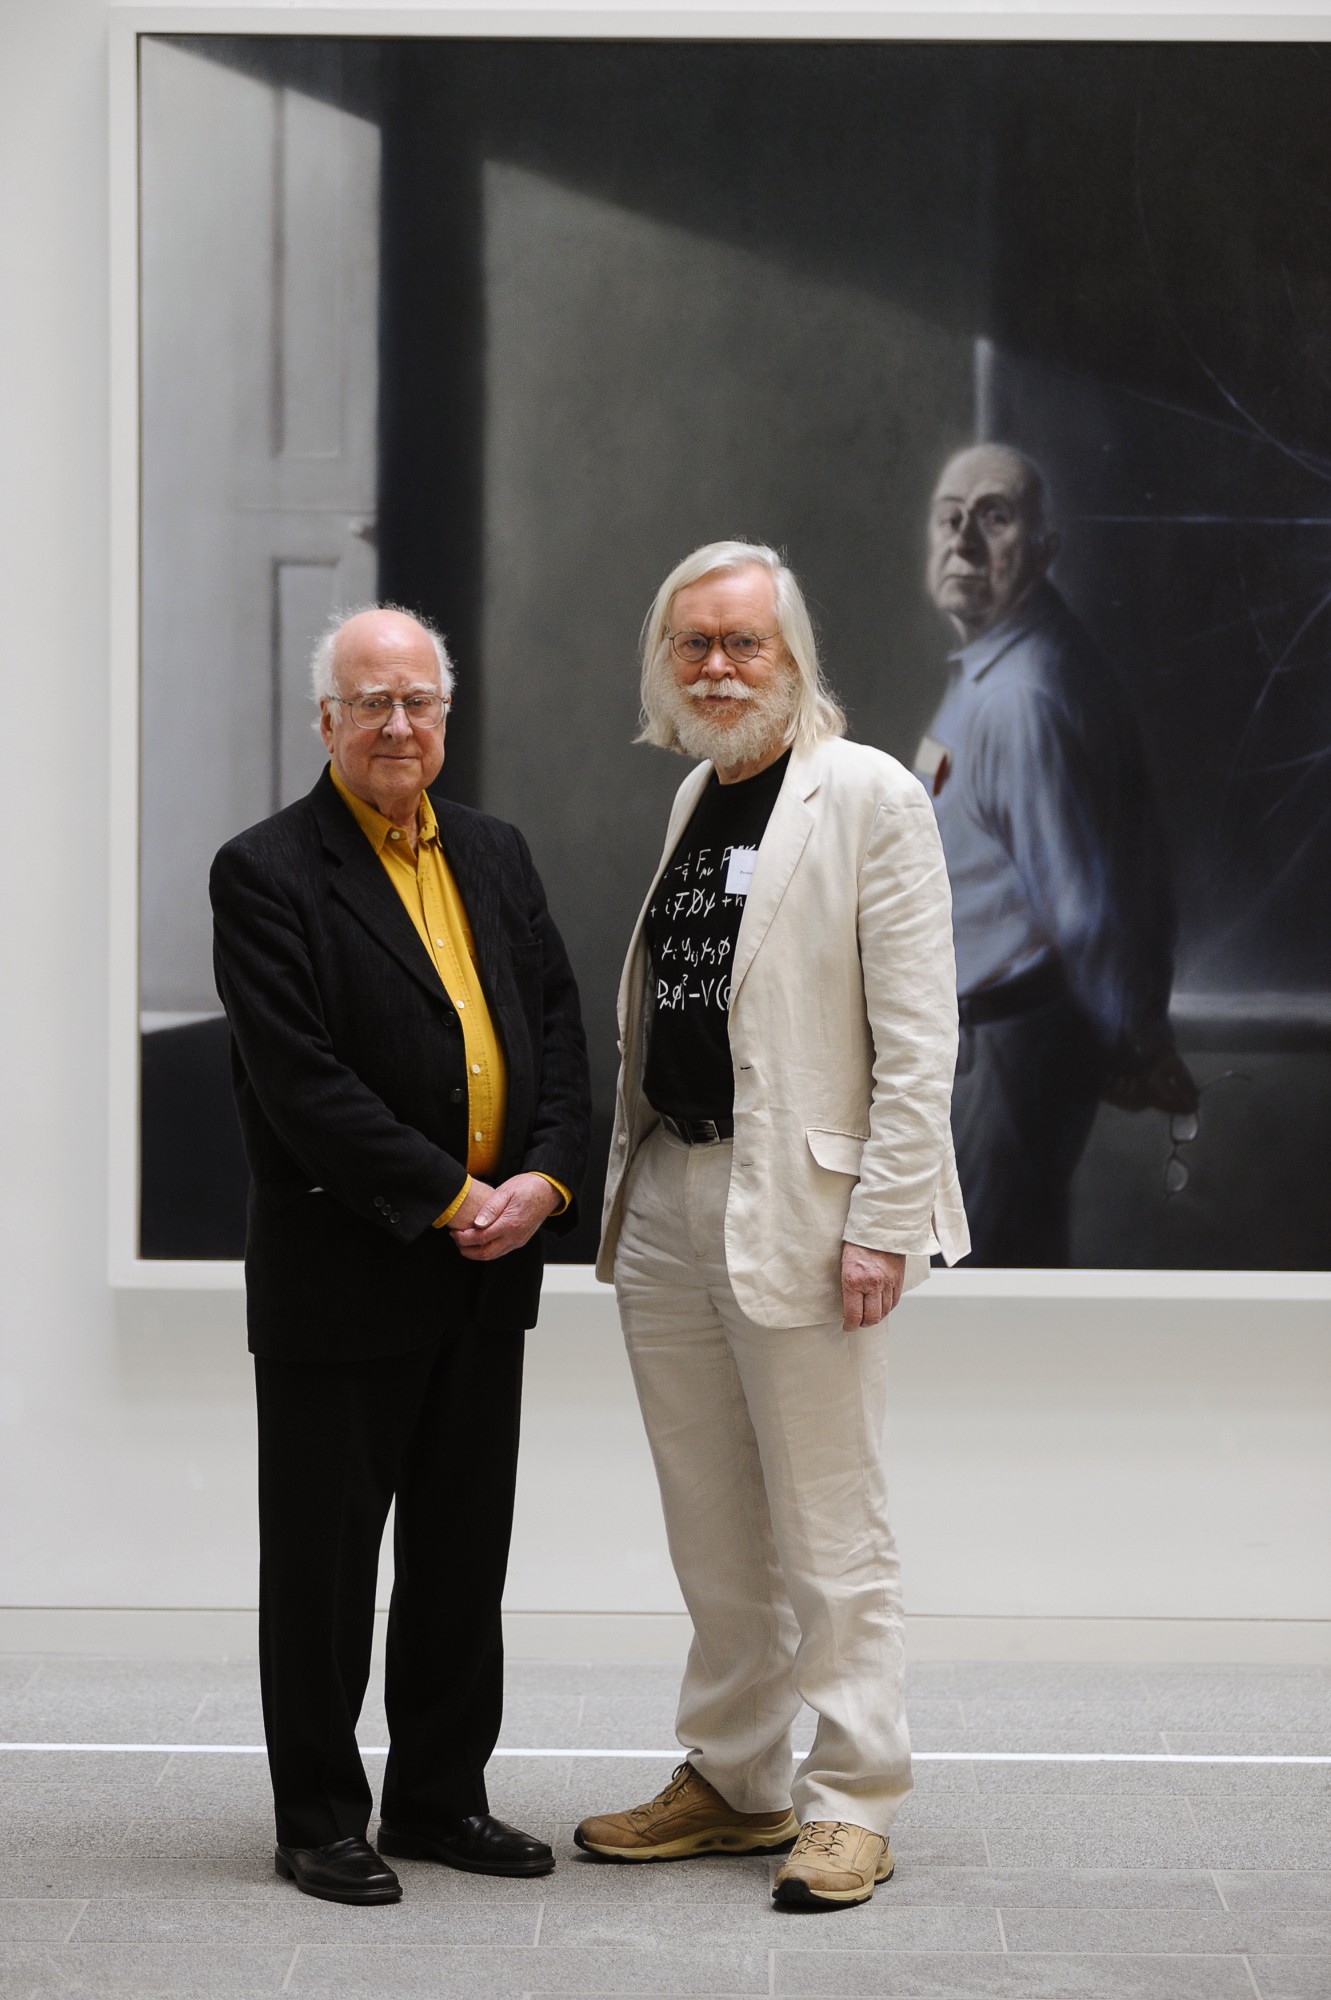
<point x="695" y="647"/>
<point x="372" y="711"/>
<point x="1184" y="1127"/>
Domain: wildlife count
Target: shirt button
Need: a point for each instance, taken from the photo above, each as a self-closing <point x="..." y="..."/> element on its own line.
<point x="475" y="1069"/>
<point x="439" y="941"/>
<point x="478" y="1136"/>
<point x="459" y="1003"/>
<point x="395" y="835"/>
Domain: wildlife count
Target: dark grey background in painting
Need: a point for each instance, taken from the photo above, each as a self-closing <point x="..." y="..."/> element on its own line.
<point x="631" y="297"/>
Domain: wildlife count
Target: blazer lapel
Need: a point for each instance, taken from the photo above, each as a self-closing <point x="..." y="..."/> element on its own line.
<point x="359" y="880"/>
<point x="782" y="845"/>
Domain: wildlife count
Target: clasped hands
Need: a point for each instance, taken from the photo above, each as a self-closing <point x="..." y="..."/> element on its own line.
<point x="494" y="1220"/>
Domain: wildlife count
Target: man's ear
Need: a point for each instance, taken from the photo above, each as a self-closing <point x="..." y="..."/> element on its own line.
<point x="1053" y="542"/>
<point x="325" y="725"/>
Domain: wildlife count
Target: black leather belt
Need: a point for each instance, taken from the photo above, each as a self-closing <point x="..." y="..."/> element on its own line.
<point x="699" y="1131"/>
<point x="1036" y="988"/>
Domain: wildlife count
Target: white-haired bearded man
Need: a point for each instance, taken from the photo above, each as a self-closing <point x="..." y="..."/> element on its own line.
<point x="781" y="1170"/>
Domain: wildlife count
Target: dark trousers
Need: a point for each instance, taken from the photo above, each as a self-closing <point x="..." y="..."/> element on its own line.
<point x="1023" y="1105"/>
<point x="437" y="1430"/>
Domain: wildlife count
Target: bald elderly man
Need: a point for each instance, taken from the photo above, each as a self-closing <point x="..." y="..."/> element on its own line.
<point x="1062" y="907"/>
<point x="411" y="1078"/>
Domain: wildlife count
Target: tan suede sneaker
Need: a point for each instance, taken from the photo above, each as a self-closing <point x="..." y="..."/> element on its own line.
<point x="688" y="1817"/>
<point x="832" y="1866"/>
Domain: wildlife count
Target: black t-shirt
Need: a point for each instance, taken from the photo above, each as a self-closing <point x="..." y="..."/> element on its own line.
<point x="691" y="929"/>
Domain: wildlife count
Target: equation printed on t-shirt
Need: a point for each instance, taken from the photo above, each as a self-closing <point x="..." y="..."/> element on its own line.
<point x="698" y="905"/>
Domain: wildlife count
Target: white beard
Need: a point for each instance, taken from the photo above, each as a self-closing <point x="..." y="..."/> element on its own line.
<point x="760" y="726"/>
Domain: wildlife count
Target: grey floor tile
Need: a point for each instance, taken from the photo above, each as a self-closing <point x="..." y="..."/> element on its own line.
<point x="1263" y="1833"/>
<point x="234" y="1715"/>
<point x="540" y="1721"/>
<point x="883" y="1924"/>
<point x="186" y="1835"/>
<point x="458" y="1975"/>
<point x="1191" y="1931"/>
<point x="957" y="1976"/>
<point x="1082" y="1845"/>
<point x="1256" y="1889"/>
<point x="61" y="1784"/>
<point x="1270" y="1740"/>
<point x="45" y="1921"/>
<point x="1063" y="1711"/>
<point x="1013" y="1735"/>
<point x="287" y="1918"/>
<point x="192" y="1784"/>
<point x="1058" y="1889"/>
<point x="520" y="1787"/>
<point x="707" y="1882"/>
<point x="1280" y="1781"/>
<point x="150" y="1968"/>
<point x="119" y="1874"/>
<point x="1292" y="1978"/>
<point x="89" y="1828"/>
<point x="630" y="1722"/>
<point x="933" y="1779"/>
<point x="1028" y="1680"/>
<point x="582" y="1677"/>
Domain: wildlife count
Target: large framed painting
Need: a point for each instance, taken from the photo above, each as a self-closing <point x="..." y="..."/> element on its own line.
<point x="499" y="327"/>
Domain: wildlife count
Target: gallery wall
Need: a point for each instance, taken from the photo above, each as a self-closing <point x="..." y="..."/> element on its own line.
<point x="124" y="1422"/>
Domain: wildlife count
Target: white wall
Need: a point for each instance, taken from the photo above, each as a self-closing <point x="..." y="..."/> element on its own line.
<point x="1061" y="1461"/>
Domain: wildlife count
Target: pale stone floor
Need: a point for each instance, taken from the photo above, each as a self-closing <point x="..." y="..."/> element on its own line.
<point x="150" y="1872"/>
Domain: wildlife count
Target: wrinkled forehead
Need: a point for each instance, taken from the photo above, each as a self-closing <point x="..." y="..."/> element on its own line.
<point x="398" y="656"/>
<point x="973" y="476"/>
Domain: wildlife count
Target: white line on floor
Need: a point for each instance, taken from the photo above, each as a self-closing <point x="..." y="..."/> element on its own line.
<point x="919" y="1756"/>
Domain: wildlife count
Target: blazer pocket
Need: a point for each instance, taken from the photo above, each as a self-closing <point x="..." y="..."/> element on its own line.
<point x="839" y="1152"/>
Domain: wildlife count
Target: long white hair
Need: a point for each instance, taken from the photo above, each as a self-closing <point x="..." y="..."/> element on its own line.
<point x="818" y="713"/>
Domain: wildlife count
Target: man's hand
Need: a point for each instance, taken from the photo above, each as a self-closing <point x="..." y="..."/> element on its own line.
<point x="871" y="1282"/>
<point x="503" y="1218"/>
<point x="1166" y="1085"/>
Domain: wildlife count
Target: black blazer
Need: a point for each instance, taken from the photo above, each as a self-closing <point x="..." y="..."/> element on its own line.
<point x="350" y="1076"/>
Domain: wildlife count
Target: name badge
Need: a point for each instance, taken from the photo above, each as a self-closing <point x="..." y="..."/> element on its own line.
<point x="740" y="872"/>
<point x="933" y="762"/>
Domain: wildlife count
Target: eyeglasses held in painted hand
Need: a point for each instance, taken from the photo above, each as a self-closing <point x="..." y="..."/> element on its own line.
<point x="372" y="711"/>
<point x="695" y="647"/>
<point x="1184" y="1127"/>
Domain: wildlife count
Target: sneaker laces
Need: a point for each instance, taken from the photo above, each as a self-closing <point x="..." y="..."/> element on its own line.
<point x="822" y="1837"/>
<point x="680" y="1779"/>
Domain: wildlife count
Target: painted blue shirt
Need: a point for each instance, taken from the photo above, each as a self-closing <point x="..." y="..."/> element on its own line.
<point x="1044" y="803"/>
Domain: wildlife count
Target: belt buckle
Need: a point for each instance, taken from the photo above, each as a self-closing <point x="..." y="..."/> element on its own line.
<point x="706" y="1129"/>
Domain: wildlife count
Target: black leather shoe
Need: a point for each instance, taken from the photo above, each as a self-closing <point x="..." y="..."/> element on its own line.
<point x="482" y="1844"/>
<point x="345" y="1871"/>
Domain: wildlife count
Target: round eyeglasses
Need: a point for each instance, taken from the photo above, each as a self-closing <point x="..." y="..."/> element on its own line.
<point x="372" y="711"/>
<point x="695" y="647"/>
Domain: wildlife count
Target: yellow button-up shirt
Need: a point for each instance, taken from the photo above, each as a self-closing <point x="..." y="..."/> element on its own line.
<point x="430" y="896"/>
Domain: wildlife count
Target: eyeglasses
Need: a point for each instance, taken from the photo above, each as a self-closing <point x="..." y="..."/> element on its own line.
<point x="695" y="647"/>
<point x="372" y="711"/>
<point x="1184" y="1127"/>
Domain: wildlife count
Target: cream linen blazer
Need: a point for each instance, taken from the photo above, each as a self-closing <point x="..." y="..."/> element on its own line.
<point x="843" y="1033"/>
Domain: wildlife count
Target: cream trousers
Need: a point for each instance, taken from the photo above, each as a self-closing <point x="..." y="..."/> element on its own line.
<point x="767" y="1443"/>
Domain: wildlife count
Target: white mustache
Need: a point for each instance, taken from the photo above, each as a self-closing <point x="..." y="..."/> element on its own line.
<point x="728" y="690"/>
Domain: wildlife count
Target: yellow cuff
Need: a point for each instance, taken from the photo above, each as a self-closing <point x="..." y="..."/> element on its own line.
<point x="442" y="1221"/>
<point x="559" y="1189"/>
